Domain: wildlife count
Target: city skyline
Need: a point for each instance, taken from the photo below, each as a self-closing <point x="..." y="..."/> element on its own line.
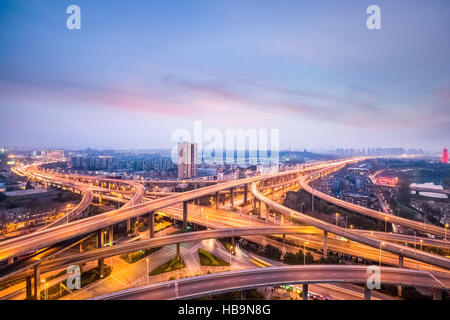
<point x="315" y="72"/>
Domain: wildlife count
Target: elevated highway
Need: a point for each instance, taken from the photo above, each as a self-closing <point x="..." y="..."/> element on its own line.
<point x="419" y="226"/>
<point x="430" y="190"/>
<point x="400" y="250"/>
<point x="106" y="252"/>
<point x="86" y="193"/>
<point x="60" y="233"/>
<point x="216" y="283"/>
<point x="88" y="225"/>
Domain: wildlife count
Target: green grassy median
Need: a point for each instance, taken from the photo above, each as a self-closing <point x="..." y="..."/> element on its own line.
<point x="135" y="256"/>
<point x="208" y="259"/>
<point x="171" y="265"/>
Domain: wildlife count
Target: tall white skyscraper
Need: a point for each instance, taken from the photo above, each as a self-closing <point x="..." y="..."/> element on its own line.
<point x="187" y="160"/>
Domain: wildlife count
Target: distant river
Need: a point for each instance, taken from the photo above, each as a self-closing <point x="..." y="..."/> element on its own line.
<point x="430" y="185"/>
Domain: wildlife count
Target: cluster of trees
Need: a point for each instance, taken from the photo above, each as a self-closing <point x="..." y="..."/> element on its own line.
<point x="410" y="293"/>
<point x="298" y="258"/>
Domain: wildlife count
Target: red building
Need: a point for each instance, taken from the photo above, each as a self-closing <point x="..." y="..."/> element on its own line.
<point x="387" y="181"/>
<point x="445" y="155"/>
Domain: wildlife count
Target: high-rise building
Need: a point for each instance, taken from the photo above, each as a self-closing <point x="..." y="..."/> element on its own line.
<point x="187" y="160"/>
<point x="445" y="155"/>
<point x="3" y="158"/>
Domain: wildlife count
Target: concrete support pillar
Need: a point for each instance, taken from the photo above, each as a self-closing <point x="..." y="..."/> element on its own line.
<point x="128" y="225"/>
<point x="100" y="239"/>
<point x="151" y="224"/>
<point x="245" y="193"/>
<point x="101" y="264"/>
<point x="437" y="294"/>
<point x="232" y="197"/>
<point x="28" y="288"/>
<point x="367" y="293"/>
<point x="10" y="260"/>
<point x="81" y="247"/>
<point x="217" y="200"/>
<point x="111" y="235"/>
<point x="284" y="237"/>
<point x="185" y="215"/>
<point x="305" y="291"/>
<point x="37" y="281"/>
<point x="325" y="244"/>
<point x="265" y="211"/>
<point x="178" y="251"/>
<point x="254" y="205"/>
<point x="281" y="220"/>
<point x="400" y="265"/>
<point x="243" y="295"/>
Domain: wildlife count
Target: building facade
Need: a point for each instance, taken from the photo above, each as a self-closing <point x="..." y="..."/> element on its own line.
<point x="445" y="155"/>
<point x="187" y="160"/>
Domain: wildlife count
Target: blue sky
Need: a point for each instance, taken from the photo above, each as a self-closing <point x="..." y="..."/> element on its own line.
<point x="138" y="70"/>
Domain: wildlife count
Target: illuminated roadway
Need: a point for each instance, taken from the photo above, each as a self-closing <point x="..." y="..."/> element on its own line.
<point x="419" y="226"/>
<point x="87" y="194"/>
<point x="60" y="233"/>
<point x="353" y="235"/>
<point x="193" y="287"/>
<point x="91" y="224"/>
<point x="118" y="249"/>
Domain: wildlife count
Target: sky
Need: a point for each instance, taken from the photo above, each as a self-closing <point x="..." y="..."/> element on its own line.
<point x="137" y="71"/>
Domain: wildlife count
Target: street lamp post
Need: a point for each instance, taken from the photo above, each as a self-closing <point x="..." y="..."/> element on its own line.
<point x="231" y="253"/>
<point x="337" y="215"/>
<point x="147" y="272"/>
<point x="446" y="226"/>
<point x="67" y="212"/>
<point x="381" y="244"/>
<point x="414" y="240"/>
<point x="45" y="288"/>
<point x="304" y="252"/>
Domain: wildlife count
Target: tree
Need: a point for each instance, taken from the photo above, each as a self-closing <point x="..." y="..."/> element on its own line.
<point x="272" y="252"/>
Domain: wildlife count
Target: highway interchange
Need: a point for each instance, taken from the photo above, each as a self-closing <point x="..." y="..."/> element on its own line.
<point x="133" y="208"/>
